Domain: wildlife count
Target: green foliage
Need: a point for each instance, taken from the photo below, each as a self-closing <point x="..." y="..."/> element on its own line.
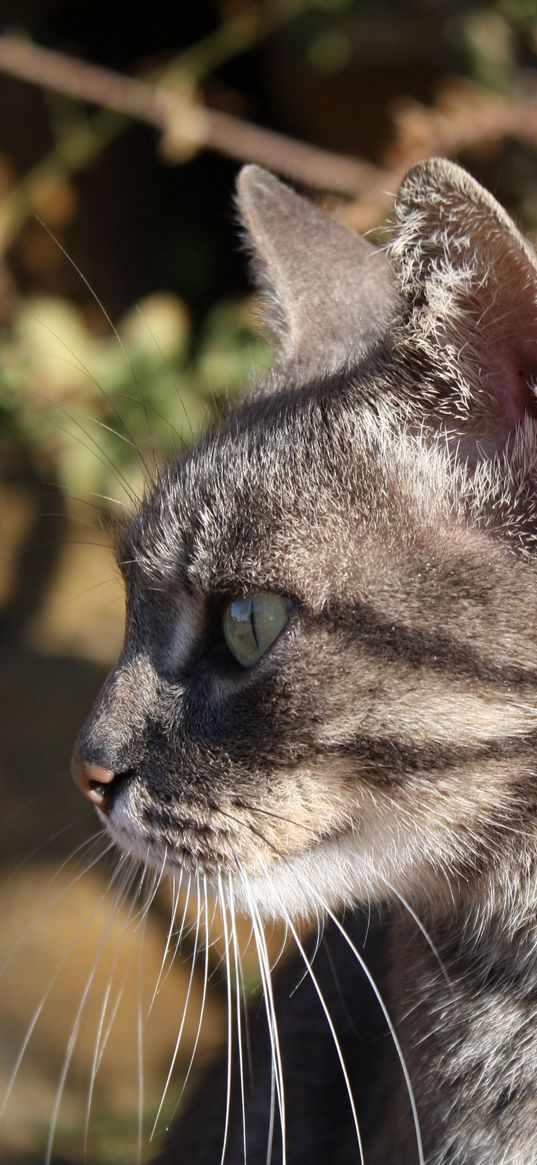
<point x="89" y="408"/>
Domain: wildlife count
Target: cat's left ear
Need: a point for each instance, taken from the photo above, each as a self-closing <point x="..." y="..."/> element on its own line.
<point x="469" y="282"/>
<point x="328" y="294"/>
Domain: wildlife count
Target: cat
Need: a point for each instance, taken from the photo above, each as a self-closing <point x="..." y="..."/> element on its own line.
<point x="326" y="704"/>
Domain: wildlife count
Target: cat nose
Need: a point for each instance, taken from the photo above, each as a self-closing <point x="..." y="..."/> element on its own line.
<point x="92" y="779"/>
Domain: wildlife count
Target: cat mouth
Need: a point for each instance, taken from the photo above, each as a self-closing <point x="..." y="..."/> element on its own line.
<point x="180" y="841"/>
<point x="194" y="840"/>
<point x="185" y="853"/>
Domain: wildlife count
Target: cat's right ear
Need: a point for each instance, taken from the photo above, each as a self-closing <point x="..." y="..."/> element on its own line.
<point x="468" y="283"/>
<point x="328" y="294"/>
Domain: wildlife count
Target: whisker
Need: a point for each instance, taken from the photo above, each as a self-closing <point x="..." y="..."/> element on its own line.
<point x="176" y="889"/>
<point x="111" y="325"/>
<point x="389" y="1023"/>
<point x="180" y="933"/>
<point x="79" y="495"/>
<point x="98" y="1048"/>
<point x="246" y="1027"/>
<point x="79" y="520"/>
<point x="120" y="437"/>
<point x="229" y="999"/>
<point x="203" y="1000"/>
<point x="313" y="957"/>
<point x="172" y="378"/>
<point x="87" y="591"/>
<point x="425" y="934"/>
<point x="272" y="1113"/>
<point x="140" y="1040"/>
<point x="29" y="856"/>
<point x="256" y="832"/>
<point x="111" y="1021"/>
<point x="337" y="1044"/>
<point x="268" y="996"/>
<point x="96" y="451"/>
<point x="93" y="840"/>
<point x="242" y="804"/>
<point x="238" y="978"/>
<point x="183" y="1018"/>
<point x="120" y="897"/>
<point x="101" y="1039"/>
<point x="53" y="980"/>
<point x="79" y="365"/>
<point x="153" y="892"/>
<point x="72" y="542"/>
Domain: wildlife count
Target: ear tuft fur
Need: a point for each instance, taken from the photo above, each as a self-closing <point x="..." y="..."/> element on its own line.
<point x="469" y="282"/>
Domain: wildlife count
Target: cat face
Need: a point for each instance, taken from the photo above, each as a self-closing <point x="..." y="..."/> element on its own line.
<point x="324" y="693"/>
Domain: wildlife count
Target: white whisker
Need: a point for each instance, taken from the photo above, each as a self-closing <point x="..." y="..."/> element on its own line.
<point x="185" y="1009"/>
<point x="238" y="977"/>
<point x="203" y="999"/>
<point x="101" y="1040"/>
<point x="99" y="836"/>
<point x="39" y="1009"/>
<point x="176" y="889"/>
<point x="272" y="1113"/>
<point x="78" y="1018"/>
<point x="333" y="1032"/>
<point x="229" y="999"/>
<point x="102" y="1035"/>
<point x="397" y="1045"/>
<point x="140" y="1041"/>
<point x="157" y="879"/>
<point x="425" y="934"/>
<point x="268" y="996"/>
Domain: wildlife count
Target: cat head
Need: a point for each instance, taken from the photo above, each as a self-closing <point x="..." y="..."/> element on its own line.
<point x="326" y="690"/>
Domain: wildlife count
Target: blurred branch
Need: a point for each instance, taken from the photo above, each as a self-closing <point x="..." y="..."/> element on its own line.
<point x="185" y="123"/>
<point x="463" y="117"/>
<point x="82" y="143"/>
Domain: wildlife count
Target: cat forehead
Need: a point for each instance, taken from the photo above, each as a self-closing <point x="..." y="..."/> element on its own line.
<point x="284" y="497"/>
<point x="264" y="486"/>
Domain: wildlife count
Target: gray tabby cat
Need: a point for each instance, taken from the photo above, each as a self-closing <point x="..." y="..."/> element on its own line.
<point x="327" y="693"/>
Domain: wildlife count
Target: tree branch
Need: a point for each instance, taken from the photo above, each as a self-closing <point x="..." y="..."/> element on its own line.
<point x="463" y="117"/>
<point x="185" y="122"/>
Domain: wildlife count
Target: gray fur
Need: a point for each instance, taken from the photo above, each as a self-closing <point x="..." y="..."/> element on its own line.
<point x="383" y="477"/>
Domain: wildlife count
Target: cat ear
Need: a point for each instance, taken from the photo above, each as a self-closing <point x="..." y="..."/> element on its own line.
<point x="469" y="284"/>
<point x="328" y="293"/>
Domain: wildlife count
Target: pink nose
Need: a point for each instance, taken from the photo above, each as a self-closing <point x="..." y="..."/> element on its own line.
<point x="92" y="780"/>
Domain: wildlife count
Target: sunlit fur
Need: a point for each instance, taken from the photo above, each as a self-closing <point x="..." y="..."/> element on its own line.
<point x="382" y="750"/>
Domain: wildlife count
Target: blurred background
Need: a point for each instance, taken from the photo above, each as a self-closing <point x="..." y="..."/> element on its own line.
<point x="126" y="323"/>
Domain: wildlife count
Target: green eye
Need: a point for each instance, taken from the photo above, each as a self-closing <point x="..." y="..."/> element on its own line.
<point x="251" y="625"/>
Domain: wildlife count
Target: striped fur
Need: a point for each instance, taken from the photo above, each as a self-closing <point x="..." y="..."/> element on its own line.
<point x="385" y="749"/>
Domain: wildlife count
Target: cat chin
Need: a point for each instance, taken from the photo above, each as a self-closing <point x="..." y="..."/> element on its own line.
<point x="125" y="837"/>
<point x="301" y="887"/>
<point x="330" y="876"/>
<point x="335" y="875"/>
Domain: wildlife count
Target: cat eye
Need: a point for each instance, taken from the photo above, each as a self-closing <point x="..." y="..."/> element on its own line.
<point x="251" y="625"/>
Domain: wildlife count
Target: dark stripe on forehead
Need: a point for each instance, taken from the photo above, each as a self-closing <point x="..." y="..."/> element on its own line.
<point x="418" y="647"/>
